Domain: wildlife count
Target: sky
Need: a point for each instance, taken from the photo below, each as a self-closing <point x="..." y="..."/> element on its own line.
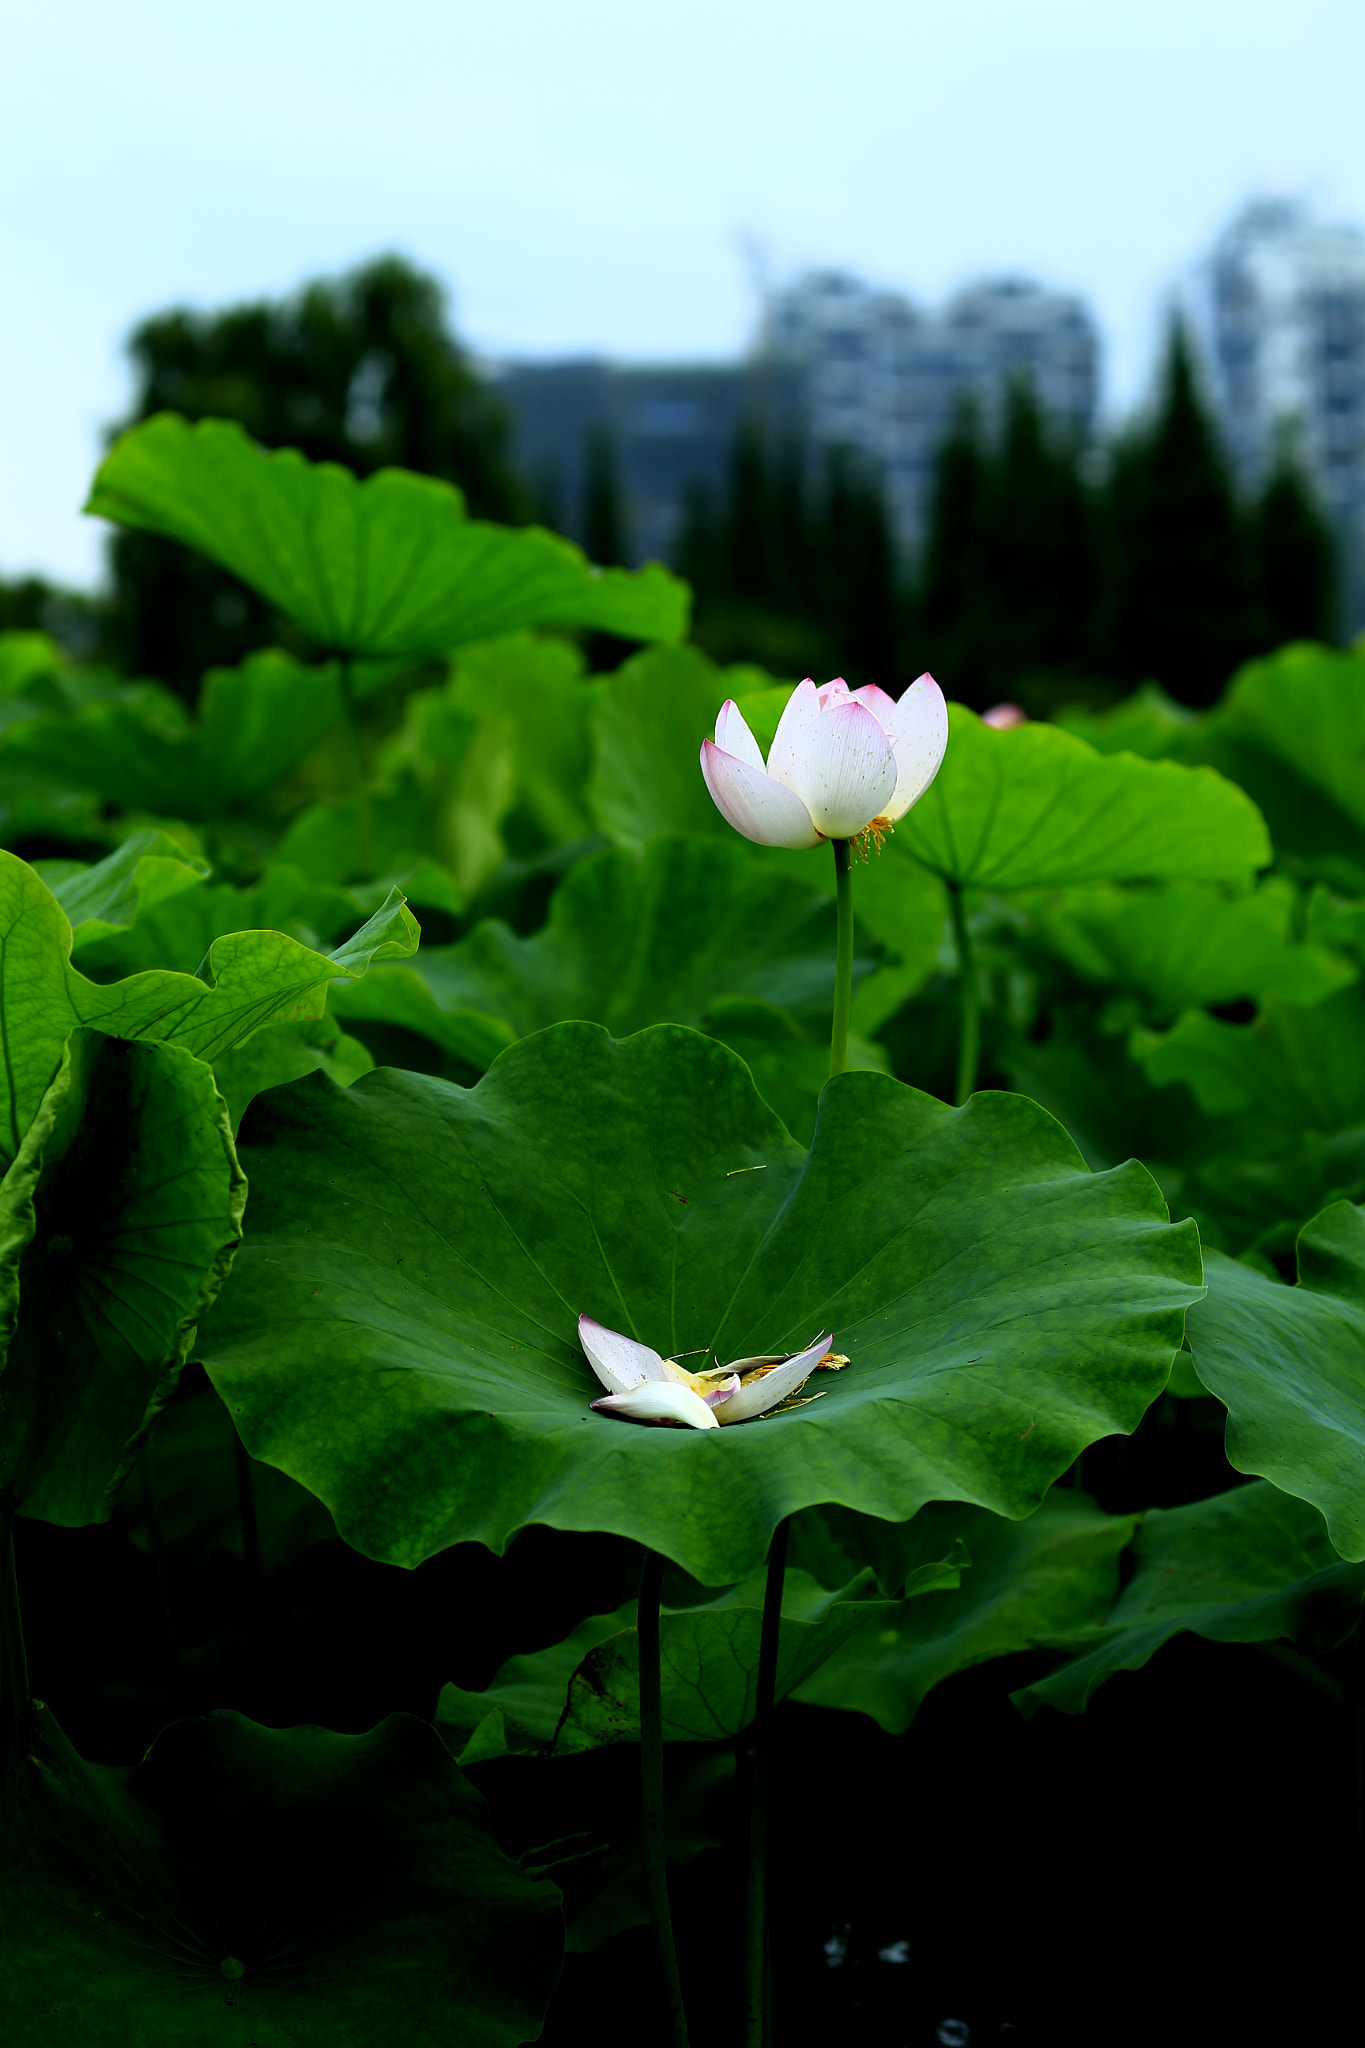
<point x="620" y="175"/>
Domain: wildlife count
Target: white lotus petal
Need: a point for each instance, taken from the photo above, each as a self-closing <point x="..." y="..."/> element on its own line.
<point x="619" y="1362"/>
<point x="666" y="1402"/>
<point x="834" y="693"/>
<point x="720" y="1394"/>
<point x="761" y="1395"/>
<point x="919" y="734"/>
<point x="734" y="737"/>
<point x="847" y="773"/>
<point x="878" y="701"/>
<point x="801" y="709"/>
<point x="754" y="803"/>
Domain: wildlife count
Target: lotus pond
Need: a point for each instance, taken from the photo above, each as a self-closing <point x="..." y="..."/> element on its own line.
<point x="682" y="1351"/>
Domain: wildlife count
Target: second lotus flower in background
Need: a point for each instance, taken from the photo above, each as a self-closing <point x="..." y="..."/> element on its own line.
<point x="842" y="762"/>
<point x="645" y="1387"/>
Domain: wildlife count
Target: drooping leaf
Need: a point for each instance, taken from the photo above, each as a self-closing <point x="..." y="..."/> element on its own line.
<point x="389" y="567"/>
<point x="178" y="931"/>
<point x="1245" y="1567"/>
<point x="148" y="869"/>
<point x="119" y="1217"/>
<point x="1040" y="1582"/>
<point x="266" y="1888"/>
<point x="1036" y="808"/>
<point x="418" y="1255"/>
<point x="255" y="978"/>
<point x="534" y="688"/>
<point x="1288" y="1363"/>
<point x="1185" y="947"/>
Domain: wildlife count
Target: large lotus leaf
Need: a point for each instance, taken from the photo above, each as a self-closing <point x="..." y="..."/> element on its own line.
<point x="1298" y="1068"/>
<point x="1186" y="946"/>
<point x="256" y="978"/>
<point x="400" y="1333"/>
<point x="1288" y="1363"/>
<point x="141" y="751"/>
<point x="1035" y="808"/>
<point x="1305" y="705"/>
<point x="647" y="728"/>
<point x="1040" y="1582"/>
<point x="1245" y="1567"/>
<point x="1148" y="723"/>
<point x="532" y="687"/>
<point x="1261" y="1185"/>
<point x="388" y="567"/>
<point x="149" y="868"/>
<point x="266" y="1888"/>
<point x="118" y="1221"/>
<point x="789" y="1068"/>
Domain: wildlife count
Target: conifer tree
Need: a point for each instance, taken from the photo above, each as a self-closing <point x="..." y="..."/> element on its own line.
<point x="1293" y="560"/>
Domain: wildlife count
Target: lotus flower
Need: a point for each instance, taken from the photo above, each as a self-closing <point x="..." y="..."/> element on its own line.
<point x="643" y="1387"/>
<point x="842" y="762"/>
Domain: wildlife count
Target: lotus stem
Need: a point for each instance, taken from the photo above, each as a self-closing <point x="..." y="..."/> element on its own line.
<point x="756" y="1971"/>
<point x="969" y="1028"/>
<point x="652" y="1789"/>
<point x="843" y="961"/>
<point x="15" y="1699"/>
<point x="364" y="810"/>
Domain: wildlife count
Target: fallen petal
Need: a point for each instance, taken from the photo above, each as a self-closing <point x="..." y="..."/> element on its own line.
<point x="801" y="710"/>
<point x="760" y="1394"/>
<point x="619" y="1362"/>
<point x="919" y="734"/>
<point x="719" y="1394"/>
<point x="847" y="772"/>
<point x="762" y="809"/>
<point x="734" y="737"/>
<point x="654" y="1402"/>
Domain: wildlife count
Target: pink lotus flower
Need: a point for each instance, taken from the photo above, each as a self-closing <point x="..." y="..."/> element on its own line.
<point x="643" y="1387"/>
<point x="842" y="762"/>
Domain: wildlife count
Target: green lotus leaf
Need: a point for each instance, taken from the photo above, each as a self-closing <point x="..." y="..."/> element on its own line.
<point x="266" y="1888"/>
<point x="1299" y="1069"/>
<point x="142" y="751"/>
<point x="1288" y="1364"/>
<point x="1245" y="1567"/>
<point x="149" y="868"/>
<point x="1305" y="706"/>
<point x="119" y="1217"/>
<point x="1036" y="808"/>
<point x="583" y="1693"/>
<point x="1040" y="1582"/>
<point x="256" y="978"/>
<point x="400" y="1333"/>
<point x="286" y="1052"/>
<point x="1186" y="946"/>
<point x="178" y="931"/>
<point x="389" y="567"/>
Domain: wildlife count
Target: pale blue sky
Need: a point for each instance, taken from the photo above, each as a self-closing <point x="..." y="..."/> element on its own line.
<point x="587" y="174"/>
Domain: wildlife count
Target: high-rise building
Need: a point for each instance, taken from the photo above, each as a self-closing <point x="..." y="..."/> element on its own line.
<point x="1278" y="308"/>
<point x="886" y="378"/>
<point x="839" y="364"/>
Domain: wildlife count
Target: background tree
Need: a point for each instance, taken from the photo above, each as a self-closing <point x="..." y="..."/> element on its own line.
<point x="1293" y="560"/>
<point x="603" y="519"/>
<point x="362" y="370"/>
<point x="1179" y="601"/>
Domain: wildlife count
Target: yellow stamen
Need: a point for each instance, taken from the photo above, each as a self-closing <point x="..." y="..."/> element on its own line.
<point x="875" y="832"/>
<point x="833" y="1361"/>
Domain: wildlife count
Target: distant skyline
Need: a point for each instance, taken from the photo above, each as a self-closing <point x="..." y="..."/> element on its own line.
<point x="611" y="178"/>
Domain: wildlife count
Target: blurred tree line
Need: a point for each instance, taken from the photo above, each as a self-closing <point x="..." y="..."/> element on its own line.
<point x="1039" y="579"/>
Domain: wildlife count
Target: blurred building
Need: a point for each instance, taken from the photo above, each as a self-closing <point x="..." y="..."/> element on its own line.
<point x="887" y="378"/>
<point x="1279" y="310"/>
<point x="839" y="364"/>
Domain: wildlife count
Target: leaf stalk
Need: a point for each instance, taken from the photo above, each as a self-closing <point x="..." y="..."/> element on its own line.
<point x="652" y="1789"/>
<point x="969" y="1024"/>
<point x="843" y="959"/>
<point x="757" y="1971"/>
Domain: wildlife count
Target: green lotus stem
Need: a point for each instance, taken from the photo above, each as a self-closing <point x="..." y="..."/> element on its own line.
<point x="364" y="810"/>
<point x="756" y="1942"/>
<point x="15" y="1699"/>
<point x="843" y="961"/>
<point x="652" y="1789"/>
<point x="969" y="1029"/>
